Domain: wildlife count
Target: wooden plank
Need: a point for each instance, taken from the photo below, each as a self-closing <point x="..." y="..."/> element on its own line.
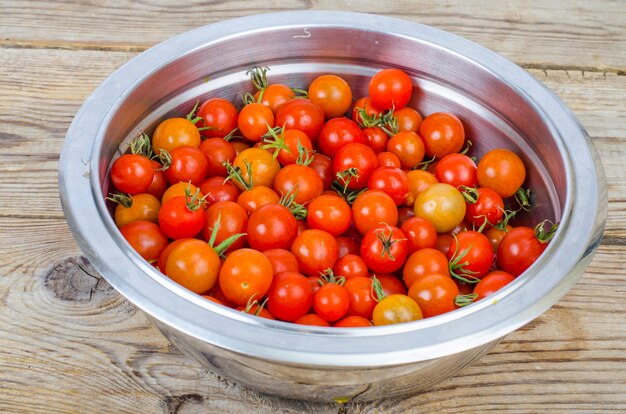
<point x="70" y="343"/>
<point x="529" y="35"/>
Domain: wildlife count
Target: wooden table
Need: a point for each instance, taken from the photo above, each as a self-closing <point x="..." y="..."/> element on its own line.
<point x="70" y="343"/>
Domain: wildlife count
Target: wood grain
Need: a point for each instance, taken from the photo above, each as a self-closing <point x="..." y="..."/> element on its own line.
<point x="532" y="33"/>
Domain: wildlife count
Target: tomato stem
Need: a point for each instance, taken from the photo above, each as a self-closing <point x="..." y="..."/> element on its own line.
<point x="289" y="200"/>
<point x="193" y="201"/>
<point x="232" y="134"/>
<point x="328" y="277"/>
<point x="387" y="241"/>
<point x="259" y="77"/>
<point x="346" y="176"/>
<point x="458" y="270"/>
<point x="274" y="139"/>
<point x="545" y="236"/>
<point x="468" y="145"/>
<point x="234" y="173"/>
<point x="300" y="93"/>
<point x="470" y="194"/>
<point x="523" y="198"/>
<point x="142" y="146"/>
<point x="508" y="216"/>
<point x="377" y="291"/>
<point x="165" y="159"/>
<point x="424" y="164"/>
<point x="125" y="200"/>
<point x="464" y="300"/>
<point x="348" y="196"/>
<point x="305" y="156"/>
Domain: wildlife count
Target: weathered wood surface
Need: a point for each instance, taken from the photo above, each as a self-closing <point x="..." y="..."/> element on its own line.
<point x="70" y="343"/>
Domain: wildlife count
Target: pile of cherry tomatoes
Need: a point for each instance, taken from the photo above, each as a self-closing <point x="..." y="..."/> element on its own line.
<point x="309" y="207"/>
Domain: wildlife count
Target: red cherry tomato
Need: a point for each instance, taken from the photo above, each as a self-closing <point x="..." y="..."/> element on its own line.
<point x="275" y="95"/>
<point x="219" y="116"/>
<point x="408" y="119"/>
<point x="375" y="138"/>
<point x="354" y="164"/>
<point x="331" y="302"/>
<point x="188" y="165"/>
<point x="290" y="296"/>
<point x="146" y="238"/>
<point x="254" y="120"/>
<point x="332" y="94"/>
<point x="323" y="166"/>
<point x="390" y="88"/>
<point x="346" y="245"/>
<point x="492" y="282"/>
<point x="353" y="322"/>
<point x="232" y="219"/>
<point x="359" y="290"/>
<point x="457" y="170"/>
<point x="159" y="184"/>
<point x="420" y="234"/>
<point x="366" y="104"/>
<point x="488" y="207"/>
<point x="350" y="266"/>
<point x="502" y="171"/>
<point x="257" y="197"/>
<point x="289" y="144"/>
<point x="180" y="218"/>
<point x="282" y="260"/>
<point x="194" y="265"/>
<point x="470" y="255"/>
<point x="384" y="249"/>
<point x="442" y="133"/>
<point x="272" y="227"/>
<point x="316" y="251"/>
<point x="371" y="208"/>
<point x="408" y="147"/>
<point x="300" y="180"/>
<point x="311" y="319"/>
<point x="388" y="159"/>
<point x="336" y="133"/>
<point x="392" y="181"/>
<point x="132" y="174"/>
<point x="244" y="274"/>
<point x="518" y="250"/>
<point x="329" y="213"/>
<point x="434" y="293"/>
<point x="391" y="285"/>
<point x="301" y="114"/>
<point x="424" y="262"/>
<point x="215" y="189"/>
<point x="217" y="151"/>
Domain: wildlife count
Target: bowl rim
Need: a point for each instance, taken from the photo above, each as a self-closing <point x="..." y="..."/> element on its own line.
<point x="466" y="328"/>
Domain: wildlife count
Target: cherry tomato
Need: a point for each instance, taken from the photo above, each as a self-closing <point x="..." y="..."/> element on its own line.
<point x="350" y="266"/>
<point x="332" y="94"/>
<point x="502" y="171"/>
<point x="272" y="226"/>
<point x="441" y="204"/>
<point x="495" y="236"/>
<point x="408" y="147"/>
<point x="346" y="246"/>
<point x="443" y="242"/>
<point x="212" y="299"/>
<point x="418" y="181"/>
<point x="518" y="250"/>
<point x="311" y="319"/>
<point x="289" y="144"/>
<point x="371" y="208"/>
<point x="392" y="181"/>
<point x="257" y="310"/>
<point x="290" y="296"/>
<point x="336" y="133"/>
<point x="420" y="234"/>
<point x="245" y="273"/>
<point x="165" y="253"/>
<point x="180" y="190"/>
<point x="175" y="132"/>
<point x="159" y="184"/>
<point x="180" y="218"/>
<point x="331" y="302"/>
<point x="390" y="88"/>
<point x="188" y="165"/>
<point x="396" y="309"/>
<point x="257" y="197"/>
<point x="275" y="95"/>
<point x="146" y="238"/>
<point x="316" y="283"/>
<point x="263" y="167"/>
<point x="219" y="116"/>
<point x="456" y="170"/>
<point x="301" y="114"/>
<point x="353" y="322"/>
<point x="138" y="207"/>
<point x="388" y="159"/>
<point x="424" y="262"/>
<point x="216" y="189"/>
<point x="384" y="249"/>
<point x="254" y="120"/>
<point x="442" y="134"/>
<point x="324" y="168"/>
<point x="391" y="285"/>
<point x="470" y="254"/>
<point x="300" y="180"/>
<point x="375" y="138"/>
<point x="354" y="164"/>
<point x="329" y="213"/>
<point x="492" y="282"/>
<point x="217" y="151"/>
<point x="194" y="265"/>
<point x="488" y="208"/>
<point x="366" y="104"/>
<point x="316" y="251"/>
<point x="408" y="119"/>
<point x="361" y="302"/>
<point x="240" y="146"/>
<point x="132" y="174"/>
<point x="282" y="260"/>
<point x="434" y="293"/>
<point x="233" y="220"/>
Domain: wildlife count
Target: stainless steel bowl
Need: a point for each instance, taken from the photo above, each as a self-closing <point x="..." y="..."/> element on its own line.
<point x="501" y="106"/>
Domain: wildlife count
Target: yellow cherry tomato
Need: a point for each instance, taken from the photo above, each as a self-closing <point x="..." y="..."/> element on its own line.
<point x="396" y="309"/>
<point x="441" y="204"/>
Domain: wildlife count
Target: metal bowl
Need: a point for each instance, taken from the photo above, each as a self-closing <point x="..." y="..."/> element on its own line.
<point x="501" y="106"/>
